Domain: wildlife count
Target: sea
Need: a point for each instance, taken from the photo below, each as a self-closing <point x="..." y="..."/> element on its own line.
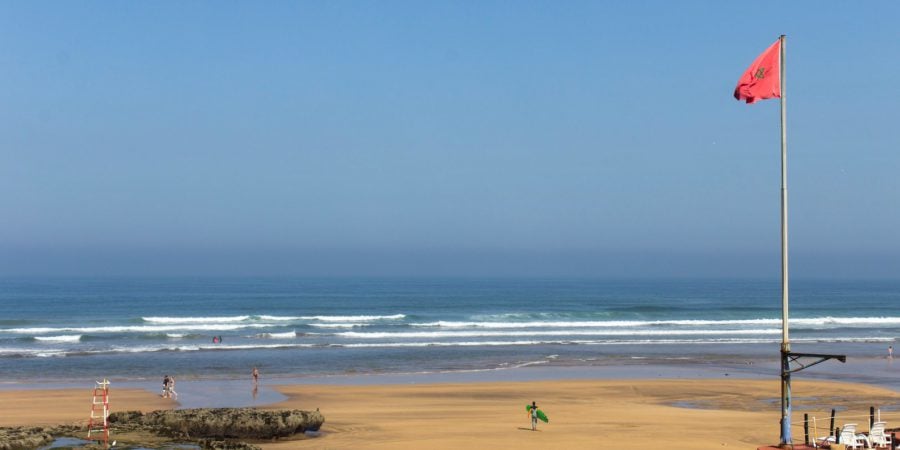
<point x="64" y="329"/>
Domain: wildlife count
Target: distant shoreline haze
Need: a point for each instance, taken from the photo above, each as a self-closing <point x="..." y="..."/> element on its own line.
<point x="439" y="262"/>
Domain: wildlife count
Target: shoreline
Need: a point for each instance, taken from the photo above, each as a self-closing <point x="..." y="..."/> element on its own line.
<point x="200" y="392"/>
<point x="873" y="370"/>
<point x="548" y="367"/>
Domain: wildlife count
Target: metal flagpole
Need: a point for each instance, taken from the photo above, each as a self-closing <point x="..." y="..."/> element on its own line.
<point x="800" y="360"/>
<point x="785" y="341"/>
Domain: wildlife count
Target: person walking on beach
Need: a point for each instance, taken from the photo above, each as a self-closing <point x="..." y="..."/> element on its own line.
<point x="534" y="416"/>
<point x="165" y="391"/>
<point x="255" y="376"/>
<point x="172" y="392"/>
<point x="890" y="352"/>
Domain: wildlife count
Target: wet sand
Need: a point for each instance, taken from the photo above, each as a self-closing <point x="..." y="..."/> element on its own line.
<point x="637" y="414"/>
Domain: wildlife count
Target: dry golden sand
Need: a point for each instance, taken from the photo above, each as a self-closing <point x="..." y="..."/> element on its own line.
<point x="59" y="406"/>
<point x="640" y="414"/>
<point x="737" y="414"/>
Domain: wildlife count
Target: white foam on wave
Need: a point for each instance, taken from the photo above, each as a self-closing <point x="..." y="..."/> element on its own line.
<point x="166" y="324"/>
<point x="174" y="320"/>
<point x="287" y="335"/>
<point x="545" y="342"/>
<point x="194" y="348"/>
<point x="486" y="333"/>
<point x="611" y="342"/>
<point x="53" y="352"/>
<point x="257" y="346"/>
<point x="174" y="335"/>
<point x="523" y="317"/>
<point x="25" y="352"/>
<point x="337" y="325"/>
<point x="808" y="322"/>
<point x="136" y="328"/>
<point x="65" y="338"/>
<point x="354" y="318"/>
<point x="455" y="324"/>
<point x="269" y="318"/>
<point x="530" y="363"/>
<point x="446" y="344"/>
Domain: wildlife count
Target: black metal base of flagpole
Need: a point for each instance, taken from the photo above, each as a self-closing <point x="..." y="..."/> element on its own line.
<point x="785" y="423"/>
<point x="787" y="358"/>
<point x="793" y="357"/>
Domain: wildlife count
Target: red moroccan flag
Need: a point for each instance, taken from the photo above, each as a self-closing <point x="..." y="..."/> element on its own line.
<point x="762" y="79"/>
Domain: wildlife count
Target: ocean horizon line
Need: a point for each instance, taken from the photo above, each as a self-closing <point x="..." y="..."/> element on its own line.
<point x="439" y="277"/>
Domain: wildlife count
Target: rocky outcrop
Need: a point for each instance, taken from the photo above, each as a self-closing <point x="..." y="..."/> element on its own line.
<point x="22" y="438"/>
<point x="28" y="438"/>
<point x="217" y="428"/>
<point x="212" y="444"/>
<point x="222" y="423"/>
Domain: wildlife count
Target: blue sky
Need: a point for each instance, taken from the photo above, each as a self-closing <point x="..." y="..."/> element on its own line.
<point x="444" y="138"/>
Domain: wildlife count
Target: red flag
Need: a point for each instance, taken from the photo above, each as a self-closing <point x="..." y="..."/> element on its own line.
<point x="763" y="79"/>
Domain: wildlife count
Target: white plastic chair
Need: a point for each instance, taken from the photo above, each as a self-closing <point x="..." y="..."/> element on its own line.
<point x="878" y="438"/>
<point x="849" y="437"/>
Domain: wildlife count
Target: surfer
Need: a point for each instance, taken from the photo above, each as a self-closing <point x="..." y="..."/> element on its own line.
<point x="534" y="416"/>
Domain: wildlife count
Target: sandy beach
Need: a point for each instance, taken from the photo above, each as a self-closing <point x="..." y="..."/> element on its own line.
<point x="640" y="414"/>
<point x="61" y="406"/>
<point x="643" y="414"/>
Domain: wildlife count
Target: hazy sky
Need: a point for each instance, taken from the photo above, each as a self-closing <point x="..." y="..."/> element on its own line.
<point x="444" y="138"/>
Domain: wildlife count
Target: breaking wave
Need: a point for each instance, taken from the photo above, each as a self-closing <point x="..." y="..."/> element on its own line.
<point x="66" y="338"/>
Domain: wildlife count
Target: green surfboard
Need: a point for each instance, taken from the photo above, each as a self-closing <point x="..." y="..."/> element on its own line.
<point x="540" y="414"/>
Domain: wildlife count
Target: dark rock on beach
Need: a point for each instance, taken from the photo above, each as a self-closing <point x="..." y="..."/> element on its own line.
<point x="212" y="444"/>
<point x="235" y="423"/>
<point x="218" y="428"/>
<point x="125" y="417"/>
<point x="24" y="438"/>
<point x="221" y="423"/>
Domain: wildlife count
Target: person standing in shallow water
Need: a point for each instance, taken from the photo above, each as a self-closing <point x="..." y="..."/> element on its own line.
<point x="255" y="376"/>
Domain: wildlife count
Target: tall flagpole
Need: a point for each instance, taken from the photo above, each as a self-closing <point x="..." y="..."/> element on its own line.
<point x="785" y="341"/>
